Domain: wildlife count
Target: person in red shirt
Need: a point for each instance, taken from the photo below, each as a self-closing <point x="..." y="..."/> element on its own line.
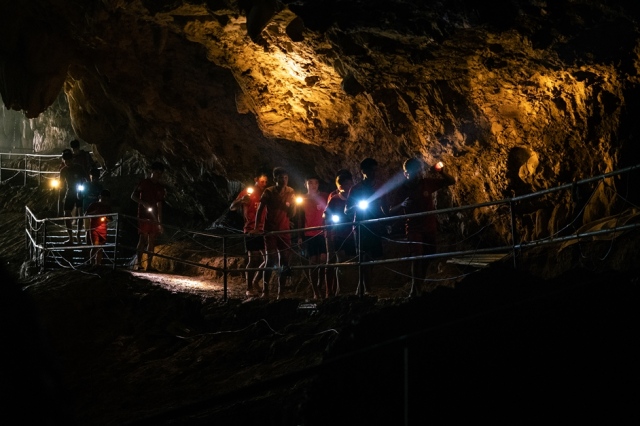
<point x="278" y="206"/>
<point x="149" y="194"/>
<point x="98" y="229"/>
<point x="415" y="195"/>
<point x="248" y="200"/>
<point x="340" y="241"/>
<point x="311" y="211"/>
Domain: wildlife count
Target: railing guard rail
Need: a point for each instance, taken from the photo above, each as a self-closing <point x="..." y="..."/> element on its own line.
<point x="514" y="247"/>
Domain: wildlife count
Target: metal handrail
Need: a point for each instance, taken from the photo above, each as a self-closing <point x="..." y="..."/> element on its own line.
<point x="38" y="247"/>
<point x="25" y="157"/>
<point x="360" y="263"/>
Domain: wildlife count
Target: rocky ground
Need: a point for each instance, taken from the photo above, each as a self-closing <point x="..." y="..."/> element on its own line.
<point x="95" y="346"/>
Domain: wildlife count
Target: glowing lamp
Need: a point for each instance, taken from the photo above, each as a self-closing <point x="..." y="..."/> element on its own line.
<point x="335" y="218"/>
<point x="250" y="190"/>
<point x="80" y="187"/>
<point x="102" y="219"/>
<point x="150" y="209"/>
<point x="299" y="200"/>
<point x="363" y="205"/>
<point x="439" y="166"/>
<point x="55" y="183"/>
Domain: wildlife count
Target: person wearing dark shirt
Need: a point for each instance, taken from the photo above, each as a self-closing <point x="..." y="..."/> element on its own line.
<point x="149" y="194"/>
<point x="415" y="195"/>
<point x="340" y="242"/>
<point x="248" y="200"/>
<point x="278" y="206"/>
<point x="98" y="226"/>
<point x="81" y="157"/>
<point x="366" y="201"/>
<point x="72" y="175"/>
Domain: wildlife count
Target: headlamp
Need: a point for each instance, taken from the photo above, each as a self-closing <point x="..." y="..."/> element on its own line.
<point x="80" y="187"/>
<point x="439" y="166"/>
<point x="150" y="209"/>
<point x="299" y="200"/>
<point x="335" y="218"/>
<point x="102" y="219"/>
<point x="55" y="183"/>
<point x="363" y="205"/>
<point x="250" y="190"/>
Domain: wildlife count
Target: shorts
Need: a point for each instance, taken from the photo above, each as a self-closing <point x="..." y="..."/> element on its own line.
<point x="370" y="244"/>
<point x="315" y="246"/>
<point x="346" y="244"/>
<point x="148" y="227"/>
<point x="277" y="243"/>
<point x="420" y="243"/>
<point x="71" y="202"/>
<point x="253" y="243"/>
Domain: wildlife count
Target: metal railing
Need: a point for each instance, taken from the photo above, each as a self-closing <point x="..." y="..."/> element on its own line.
<point x="47" y="245"/>
<point x="37" y="240"/>
<point x="28" y="165"/>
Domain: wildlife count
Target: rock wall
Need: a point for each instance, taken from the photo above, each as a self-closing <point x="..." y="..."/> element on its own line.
<point x="514" y="95"/>
<point x="51" y="131"/>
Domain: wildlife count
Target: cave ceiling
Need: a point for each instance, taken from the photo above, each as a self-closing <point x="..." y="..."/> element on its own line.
<point x="514" y="95"/>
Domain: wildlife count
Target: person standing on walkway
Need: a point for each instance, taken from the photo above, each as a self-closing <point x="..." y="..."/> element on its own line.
<point x="367" y="201"/>
<point x="340" y="242"/>
<point x="278" y="206"/>
<point x="415" y="195"/>
<point x="310" y="213"/>
<point x="248" y="200"/>
<point x="98" y="226"/>
<point x="72" y="176"/>
<point x="91" y="194"/>
<point x="149" y="194"/>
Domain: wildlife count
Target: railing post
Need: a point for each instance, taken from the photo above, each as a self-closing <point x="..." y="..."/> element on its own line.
<point x="44" y="243"/>
<point x="360" y="288"/>
<point x="406" y="384"/>
<point x="115" y="242"/>
<point x="0" y="167"/>
<point x="26" y="232"/>
<point x="224" y="267"/>
<point x="25" y="171"/>
<point x="39" y="171"/>
<point x="513" y="233"/>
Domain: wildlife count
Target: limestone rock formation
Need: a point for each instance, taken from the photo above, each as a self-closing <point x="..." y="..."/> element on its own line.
<point x="514" y="95"/>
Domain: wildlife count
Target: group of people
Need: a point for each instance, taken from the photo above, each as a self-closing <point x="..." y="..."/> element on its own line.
<point x="274" y="210"/>
<point x="271" y="212"/>
<point x="84" y="195"/>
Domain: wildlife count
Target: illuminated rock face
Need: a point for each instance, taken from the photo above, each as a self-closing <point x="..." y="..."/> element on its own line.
<point x="513" y="96"/>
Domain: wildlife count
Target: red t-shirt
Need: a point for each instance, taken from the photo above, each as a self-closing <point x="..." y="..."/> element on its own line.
<point x="152" y="193"/>
<point x="278" y="206"/>
<point x="312" y="208"/>
<point x="421" y="194"/>
<point x="249" y="209"/>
